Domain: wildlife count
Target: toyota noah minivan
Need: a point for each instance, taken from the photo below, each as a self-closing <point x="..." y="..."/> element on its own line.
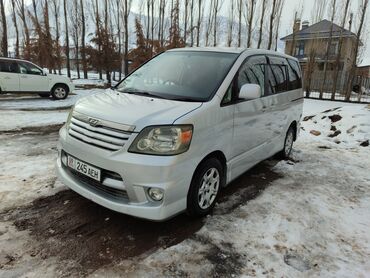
<point x="178" y="129"/>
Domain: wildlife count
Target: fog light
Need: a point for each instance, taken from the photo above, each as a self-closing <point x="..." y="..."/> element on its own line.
<point x="156" y="194"/>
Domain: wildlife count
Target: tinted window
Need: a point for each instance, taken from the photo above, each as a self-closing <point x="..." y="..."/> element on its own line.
<point x="295" y="79"/>
<point x="28" y="68"/>
<point x="187" y="75"/>
<point x="8" y="66"/>
<point x="277" y="75"/>
<point x="253" y="72"/>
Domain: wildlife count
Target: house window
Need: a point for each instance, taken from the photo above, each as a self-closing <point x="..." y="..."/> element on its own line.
<point x="333" y="49"/>
<point x="299" y="50"/>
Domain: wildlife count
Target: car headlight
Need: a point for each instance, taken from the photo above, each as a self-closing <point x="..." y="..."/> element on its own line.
<point x="163" y="140"/>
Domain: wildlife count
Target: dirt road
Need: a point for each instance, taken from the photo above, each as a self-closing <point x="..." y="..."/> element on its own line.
<point x="84" y="236"/>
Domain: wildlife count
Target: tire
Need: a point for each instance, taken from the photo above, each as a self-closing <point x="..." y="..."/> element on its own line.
<point x="59" y="91"/>
<point x="201" y="203"/>
<point x="45" y="95"/>
<point x="288" y="144"/>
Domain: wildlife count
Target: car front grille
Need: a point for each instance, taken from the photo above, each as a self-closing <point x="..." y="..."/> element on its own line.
<point x="98" y="187"/>
<point x="100" y="133"/>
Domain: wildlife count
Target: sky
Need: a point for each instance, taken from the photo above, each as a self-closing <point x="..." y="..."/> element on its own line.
<point x="287" y="17"/>
<point x="288" y="14"/>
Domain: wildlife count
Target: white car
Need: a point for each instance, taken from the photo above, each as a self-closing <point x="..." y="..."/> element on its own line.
<point x="175" y="131"/>
<point x="20" y="76"/>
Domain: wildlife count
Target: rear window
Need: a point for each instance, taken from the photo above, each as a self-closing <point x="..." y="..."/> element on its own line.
<point x="295" y="78"/>
<point x="278" y="75"/>
<point x="8" y="66"/>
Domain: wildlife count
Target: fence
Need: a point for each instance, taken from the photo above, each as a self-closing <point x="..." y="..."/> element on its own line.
<point x="361" y="92"/>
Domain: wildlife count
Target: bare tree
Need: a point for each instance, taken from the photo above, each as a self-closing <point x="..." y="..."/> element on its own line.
<point x="217" y="6"/>
<point x="250" y="7"/>
<point x="199" y="20"/>
<point x="66" y="38"/>
<point x="352" y="73"/>
<point x="327" y="52"/>
<point x="240" y="12"/>
<point x="263" y="10"/>
<point x="83" y="44"/>
<point x="186" y="3"/>
<point x="296" y="20"/>
<point x="22" y="14"/>
<point x="76" y="29"/>
<point x="272" y="21"/>
<point x="318" y="10"/>
<point x="56" y="10"/>
<point x="230" y="24"/>
<point x="126" y="7"/>
<point x="209" y="23"/>
<point x="14" y="18"/>
<point x="48" y="42"/>
<point x="152" y="27"/>
<point x="192" y="23"/>
<point x="162" y="7"/>
<point x="277" y="24"/>
<point x="4" y="40"/>
<point x="337" y="63"/>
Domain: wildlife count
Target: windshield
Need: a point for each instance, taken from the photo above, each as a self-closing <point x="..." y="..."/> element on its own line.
<point x="180" y="75"/>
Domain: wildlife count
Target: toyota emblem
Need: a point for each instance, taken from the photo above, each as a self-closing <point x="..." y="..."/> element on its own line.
<point x="93" y="122"/>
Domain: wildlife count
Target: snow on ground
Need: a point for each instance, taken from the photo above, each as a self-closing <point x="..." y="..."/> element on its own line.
<point x="34" y="102"/>
<point x="17" y="113"/>
<point x="312" y="221"/>
<point x="15" y="120"/>
<point x="27" y="167"/>
<point x="344" y="124"/>
<point x="93" y="78"/>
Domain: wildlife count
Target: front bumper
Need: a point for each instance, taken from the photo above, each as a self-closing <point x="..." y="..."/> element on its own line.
<point x="172" y="174"/>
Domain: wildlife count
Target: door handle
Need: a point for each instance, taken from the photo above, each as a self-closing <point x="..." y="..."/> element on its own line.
<point x="24" y="76"/>
<point x="7" y="77"/>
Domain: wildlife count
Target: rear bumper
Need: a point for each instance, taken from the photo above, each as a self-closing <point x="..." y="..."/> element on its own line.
<point x="139" y="173"/>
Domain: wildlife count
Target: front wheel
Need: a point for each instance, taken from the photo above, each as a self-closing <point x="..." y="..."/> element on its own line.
<point x="288" y="144"/>
<point x="204" y="188"/>
<point x="59" y="92"/>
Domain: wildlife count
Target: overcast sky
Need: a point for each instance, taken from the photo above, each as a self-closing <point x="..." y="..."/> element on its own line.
<point x="293" y="5"/>
<point x="288" y="14"/>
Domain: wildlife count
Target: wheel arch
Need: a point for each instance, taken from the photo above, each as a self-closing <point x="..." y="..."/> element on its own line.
<point x="294" y="126"/>
<point x="220" y="156"/>
<point x="60" y="83"/>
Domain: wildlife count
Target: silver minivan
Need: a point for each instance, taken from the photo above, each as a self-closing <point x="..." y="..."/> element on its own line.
<point x="174" y="132"/>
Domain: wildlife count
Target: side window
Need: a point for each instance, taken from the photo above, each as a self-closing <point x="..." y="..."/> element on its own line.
<point x="253" y="72"/>
<point x="28" y="68"/>
<point x="228" y="95"/>
<point x="295" y="78"/>
<point x="8" y="66"/>
<point x="277" y="75"/>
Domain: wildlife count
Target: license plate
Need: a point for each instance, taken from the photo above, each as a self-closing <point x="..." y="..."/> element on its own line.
<point x="84" y="168"/>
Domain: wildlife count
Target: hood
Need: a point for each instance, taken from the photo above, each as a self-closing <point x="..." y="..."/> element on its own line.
<point x="129" y="109"/>
<point x="59" y="78"/>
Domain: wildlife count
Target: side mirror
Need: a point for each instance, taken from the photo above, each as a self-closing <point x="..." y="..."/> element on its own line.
<point x="45" y="72"/>
<point x="250" y="91"/>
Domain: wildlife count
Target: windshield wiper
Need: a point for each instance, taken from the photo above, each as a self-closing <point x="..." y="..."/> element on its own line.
<point x="140" y="93"/>
<point x="186" y="99"/>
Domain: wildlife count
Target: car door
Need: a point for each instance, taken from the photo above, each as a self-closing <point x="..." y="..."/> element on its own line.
<point x="251" y="130"/>
<point x="32" y="78"/>
<point x="279" y="100"/>
<point x="9" y="77"/>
